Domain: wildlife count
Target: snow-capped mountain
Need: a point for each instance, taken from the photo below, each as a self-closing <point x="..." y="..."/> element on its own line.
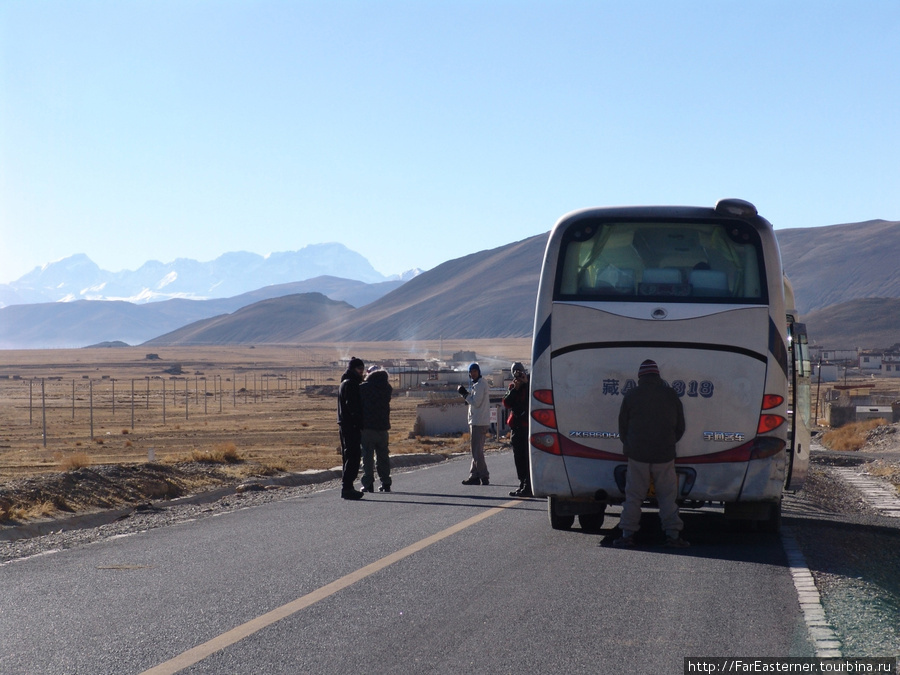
<point x="79" y="278"/>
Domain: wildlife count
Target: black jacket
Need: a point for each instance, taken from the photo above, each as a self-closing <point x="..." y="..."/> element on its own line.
<point x="651" y="421"/>
<point x="349" y="412"/>
<point x="375" y="394"/>
<point x="516" y="401"/>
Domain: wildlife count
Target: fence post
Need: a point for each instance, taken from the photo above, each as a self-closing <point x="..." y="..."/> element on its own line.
<point x="91" y="382"/>
<point x="44" y="412"/>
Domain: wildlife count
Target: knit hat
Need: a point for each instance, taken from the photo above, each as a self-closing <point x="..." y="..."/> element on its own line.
<point x="648" y="367"/>
<point x="517" y="366"/>
<point x="356" y="364"/>
<point x="372" y="369"/>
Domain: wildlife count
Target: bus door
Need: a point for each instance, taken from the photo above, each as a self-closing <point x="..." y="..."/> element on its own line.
<point x="799" y="438"/>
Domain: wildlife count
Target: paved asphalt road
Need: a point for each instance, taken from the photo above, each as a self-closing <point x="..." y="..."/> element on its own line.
<point x="435" y="577"/>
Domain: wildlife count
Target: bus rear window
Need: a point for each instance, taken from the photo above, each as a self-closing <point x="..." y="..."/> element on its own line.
<point x="661" y="261"/>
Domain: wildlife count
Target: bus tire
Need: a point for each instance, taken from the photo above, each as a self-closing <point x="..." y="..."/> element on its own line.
<point x="558" y="521"/>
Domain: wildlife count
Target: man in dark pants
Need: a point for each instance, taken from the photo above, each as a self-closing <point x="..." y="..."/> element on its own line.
<point x="375" y="394"/>
<point x="651" y="422"/>
<point x="516" y="402"/>
<point x="350" y="421"/>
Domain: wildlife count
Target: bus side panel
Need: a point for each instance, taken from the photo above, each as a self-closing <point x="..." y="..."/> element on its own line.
<point x="765" y="479"/>
<point x="548" y="475"/>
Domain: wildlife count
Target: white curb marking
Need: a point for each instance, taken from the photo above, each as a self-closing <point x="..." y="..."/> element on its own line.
<point x="820" y="632"/>
<point x="878" y="492"/>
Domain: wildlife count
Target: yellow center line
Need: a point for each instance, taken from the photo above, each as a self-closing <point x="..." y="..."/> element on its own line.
<point x="201" y="651"/>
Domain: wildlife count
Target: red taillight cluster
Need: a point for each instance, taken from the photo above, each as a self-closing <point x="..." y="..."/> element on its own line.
<point x="767" y="421"/>
<point x="546" y="416"/>
<point x="545" y="396"/>
<point x="546" y="441"/>
<point x="772" y="401"/>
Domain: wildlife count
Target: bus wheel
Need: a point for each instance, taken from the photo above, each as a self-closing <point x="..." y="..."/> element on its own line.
<point x="591" y="522"/>
<point x="558" y="521"/>
<point x="773" y="522"/>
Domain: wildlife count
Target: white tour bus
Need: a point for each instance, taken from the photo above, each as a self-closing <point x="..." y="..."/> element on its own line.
<point x="701" y="291"/>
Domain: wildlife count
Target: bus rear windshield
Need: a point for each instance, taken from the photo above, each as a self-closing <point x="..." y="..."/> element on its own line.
<point x="661" y="261"/>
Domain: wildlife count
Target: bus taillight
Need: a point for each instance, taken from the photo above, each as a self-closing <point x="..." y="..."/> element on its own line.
<point x="545" y="396"/>
<point x="769" y="423"/>
<point x="546" y="416"/>
<point x="772" y="401"/>
<point x="547" y="442"/>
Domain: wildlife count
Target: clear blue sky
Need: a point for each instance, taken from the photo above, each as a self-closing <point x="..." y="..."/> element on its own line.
<point x="416" y="132"/>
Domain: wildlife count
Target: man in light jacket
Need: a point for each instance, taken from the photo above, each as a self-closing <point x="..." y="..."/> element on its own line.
<point x="479" y="402"/>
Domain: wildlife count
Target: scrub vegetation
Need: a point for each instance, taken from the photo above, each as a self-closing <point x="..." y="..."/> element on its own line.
<point x="234" y="413"/>
<point x="851" y="437"/>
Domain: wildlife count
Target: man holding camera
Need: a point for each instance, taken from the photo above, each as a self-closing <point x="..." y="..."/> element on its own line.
<point x="516" y="402"/>
<point x="478" y="398"/>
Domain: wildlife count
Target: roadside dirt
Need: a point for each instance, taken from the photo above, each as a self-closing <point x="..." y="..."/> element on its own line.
<point x="111" y="486"/>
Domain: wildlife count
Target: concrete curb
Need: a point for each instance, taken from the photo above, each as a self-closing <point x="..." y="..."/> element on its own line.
<point x="98" y="518"/>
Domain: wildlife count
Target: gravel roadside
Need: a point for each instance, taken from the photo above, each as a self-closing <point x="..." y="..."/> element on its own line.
<point x="853" y="553"/>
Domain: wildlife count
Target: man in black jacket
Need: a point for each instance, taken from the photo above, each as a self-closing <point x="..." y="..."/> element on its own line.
<point x="651" y="422"/>
<point x="516" y="401"/>
<point x="350" y="424"/>
<point x="375" y="394"/>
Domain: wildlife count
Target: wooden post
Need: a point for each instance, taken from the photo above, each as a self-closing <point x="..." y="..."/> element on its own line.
<point x="44" y="412"/>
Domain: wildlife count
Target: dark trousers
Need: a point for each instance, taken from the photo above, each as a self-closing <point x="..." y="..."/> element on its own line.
<point x="519" y="439"/>
<point x="351" y="452"/>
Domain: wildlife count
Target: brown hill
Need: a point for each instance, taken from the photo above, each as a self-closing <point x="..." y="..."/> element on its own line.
<point x="483" y="295"/>
<point x="492" y="293"/>
<point x="273" y="321"/>
<point x="835" y="264"/>
<point x="870" y="323"/>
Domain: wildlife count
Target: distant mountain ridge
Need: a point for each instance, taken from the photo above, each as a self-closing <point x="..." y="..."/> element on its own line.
<point x="482" y="295"/>
<point x="845" y="278"/>
<point x="88" y="322"/>
<point x="79" y="278"/>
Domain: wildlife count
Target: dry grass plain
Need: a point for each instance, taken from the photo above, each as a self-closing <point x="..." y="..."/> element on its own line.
<point x="270" y="406"/>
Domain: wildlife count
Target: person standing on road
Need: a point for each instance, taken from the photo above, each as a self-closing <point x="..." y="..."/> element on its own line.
<point x="651" y="422"/>
<point x="350" y="420"/>
<point x="516" y="402"/>
<point x="375" y="395"/>
<point x="479" y="402"/>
